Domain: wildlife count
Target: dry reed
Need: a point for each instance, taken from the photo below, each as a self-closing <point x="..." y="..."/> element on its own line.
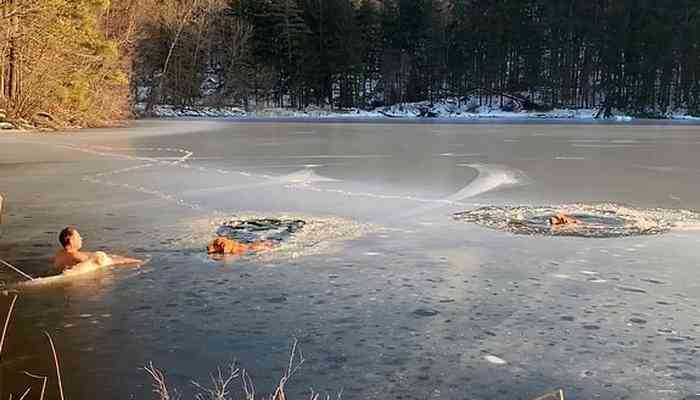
<point x="58" y="368"/>
<point x="7" y="323"/>
<point x="26" y="392"/>
<point x="17" y="270"/>
<point x="221" y="382"/>
<point x="2" y="340"/>
<point x="220" y="385"/>
<point x="159" y="385"/>
<point x="44" y="380"/>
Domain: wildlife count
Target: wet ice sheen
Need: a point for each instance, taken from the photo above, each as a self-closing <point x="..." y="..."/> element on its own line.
<point x="412" y="310"/>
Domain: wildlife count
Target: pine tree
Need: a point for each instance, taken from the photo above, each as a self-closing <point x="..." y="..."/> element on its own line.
<point x="371" y="46"/>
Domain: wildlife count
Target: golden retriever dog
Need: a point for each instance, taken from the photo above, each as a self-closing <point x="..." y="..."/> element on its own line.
<point x="222" y="245"/>
<point x="561" y="219"/>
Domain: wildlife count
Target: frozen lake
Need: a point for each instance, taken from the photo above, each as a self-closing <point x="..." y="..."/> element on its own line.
<point x="387" y="293"/>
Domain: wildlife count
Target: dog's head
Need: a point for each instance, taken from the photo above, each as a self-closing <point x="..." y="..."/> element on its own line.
<point x="555" y="220"/>
<point x="217" y="246"/>
<point x="562" y="219"/>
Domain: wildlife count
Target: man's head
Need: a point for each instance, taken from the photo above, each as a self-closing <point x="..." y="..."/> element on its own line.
<point x="70" y="239"/>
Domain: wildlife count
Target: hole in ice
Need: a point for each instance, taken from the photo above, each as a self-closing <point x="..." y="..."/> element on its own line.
<point x="605" y="220"/>
<point x="251" y="230"/>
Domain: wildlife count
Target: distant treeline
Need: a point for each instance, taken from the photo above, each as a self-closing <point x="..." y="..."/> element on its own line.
<point x="638" y="56"/>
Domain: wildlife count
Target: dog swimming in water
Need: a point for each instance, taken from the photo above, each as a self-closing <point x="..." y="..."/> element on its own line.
<point x="223" y="245"/>
<point x="562" y="219"/>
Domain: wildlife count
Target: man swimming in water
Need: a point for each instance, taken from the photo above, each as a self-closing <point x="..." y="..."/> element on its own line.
<point x="71" y="256"/>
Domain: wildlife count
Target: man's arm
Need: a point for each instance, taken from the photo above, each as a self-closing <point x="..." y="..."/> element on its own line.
<point x="118" y="260"/>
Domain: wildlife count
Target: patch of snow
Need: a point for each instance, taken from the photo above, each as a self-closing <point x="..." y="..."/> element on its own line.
<point x="169" y="111"/>
<point x="495" y="360"/>
<point x="314" y="112"/>
<point x="306" y="177"/>
<point x="142" y="93"/>
<point x="685" y="117"/>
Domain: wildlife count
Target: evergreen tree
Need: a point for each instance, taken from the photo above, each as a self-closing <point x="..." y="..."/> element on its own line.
<point x="369" y="24"/>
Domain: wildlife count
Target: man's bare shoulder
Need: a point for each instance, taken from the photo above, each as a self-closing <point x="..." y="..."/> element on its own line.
<point x="65" y="259"/>
<point x="59" y="258"/>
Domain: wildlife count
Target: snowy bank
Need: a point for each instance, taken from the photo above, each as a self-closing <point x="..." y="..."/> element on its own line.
<point x="448" y="109"/>
<point x="169" y="111"/>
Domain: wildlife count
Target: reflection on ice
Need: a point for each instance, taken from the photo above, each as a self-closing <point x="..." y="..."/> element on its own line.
<point x="305" y="177"/>
<point x="490" y="177"/>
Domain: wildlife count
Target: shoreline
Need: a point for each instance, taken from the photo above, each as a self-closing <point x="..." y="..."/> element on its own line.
<point x="368" y="121"/>
<point x="429" y="121"/>
<point x="339" y="118"/>
<point x="423" y="112"/>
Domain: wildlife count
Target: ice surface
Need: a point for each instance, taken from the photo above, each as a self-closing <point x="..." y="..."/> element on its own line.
<point x="382" y="301"/>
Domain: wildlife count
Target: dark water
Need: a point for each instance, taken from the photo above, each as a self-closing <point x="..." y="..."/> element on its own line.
<point x="261" y="229"/>
<point x="415" y="304"/>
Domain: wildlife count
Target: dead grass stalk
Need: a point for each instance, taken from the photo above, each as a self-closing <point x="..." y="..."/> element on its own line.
<point x="44" y="380"/>
<point x="58" y="368"/>
<point x="7" y="323"/>
<point x="221" y="382"/>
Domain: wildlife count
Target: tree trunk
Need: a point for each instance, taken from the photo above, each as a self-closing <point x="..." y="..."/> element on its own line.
<point x="2" y="54"/>
<point x="156" y="92"/>
<point x="2" y="76"/>
<point x="13" y="73"/>
<point x="12" y="84"/>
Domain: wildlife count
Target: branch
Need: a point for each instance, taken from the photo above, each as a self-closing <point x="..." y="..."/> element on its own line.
<point x="17" y="270"/>
<point x="159" y="386"/>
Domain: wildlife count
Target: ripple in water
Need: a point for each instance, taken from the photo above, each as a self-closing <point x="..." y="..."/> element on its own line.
<point x="596" y="221"/>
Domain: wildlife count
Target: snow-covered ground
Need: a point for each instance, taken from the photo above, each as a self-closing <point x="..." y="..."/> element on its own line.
<point x="168" y="111"/>
<point x="449" y="109"/>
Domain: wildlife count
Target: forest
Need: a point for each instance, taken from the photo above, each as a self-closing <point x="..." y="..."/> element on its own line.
<point x="84" y="62"/>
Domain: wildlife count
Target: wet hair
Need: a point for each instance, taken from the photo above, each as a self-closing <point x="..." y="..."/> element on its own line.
<point x="65" y="235"/>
